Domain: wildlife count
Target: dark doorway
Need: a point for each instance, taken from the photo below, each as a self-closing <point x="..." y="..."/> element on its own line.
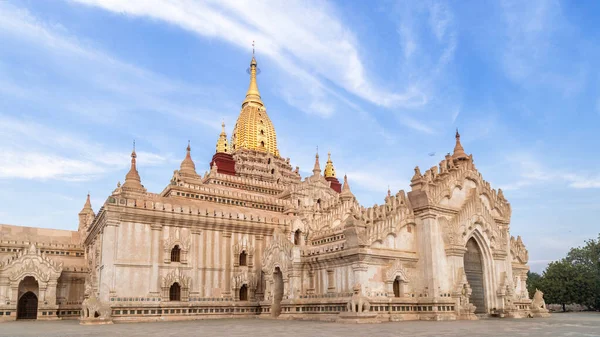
<point x="277" y="292"/>
<point x="27" y="306"/>
<point x="398" y="288"/>
<point x="244" y="293"/>
<point x="297" y="237"/>
<point x="474" y="271"/>
<point x="175" y="292"/>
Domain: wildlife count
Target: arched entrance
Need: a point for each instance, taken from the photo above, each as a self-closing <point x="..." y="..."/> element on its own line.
<point x="398" y="287"/>
<point x="474" y="270"/>
<point x="175" y="292"/>
<point x="28" y="299"/>
<point x="244" y="293"/>
<point x="277" y="292"/>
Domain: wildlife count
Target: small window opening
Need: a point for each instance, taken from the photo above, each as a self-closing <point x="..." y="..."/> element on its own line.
<point x="297" y="237"/>
<point x="175" y="254"/>
<point x="243" y="259"/>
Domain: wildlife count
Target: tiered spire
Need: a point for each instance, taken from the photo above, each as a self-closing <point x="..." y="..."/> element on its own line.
<point x="222" y="142"/>
<point x="132" y="179"/>
<point x="87" y="213"/>
<point x="187" y="165"/>
<point x="329" y="169"/>
<point x="254" y="129"/>
<point x="88" y="204"/>
<point x="346" y="193"/>
<point x="317" y="168"/>
<point x="459" y="152"/>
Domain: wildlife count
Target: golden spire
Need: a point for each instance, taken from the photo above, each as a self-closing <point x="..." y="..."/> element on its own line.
<point x="317" y="168"/>
<point x="253" y="129"/>
<point x="132" y="179"/>
<point x="459" y="152"/>
<point x="187" y="165"/>
<point x="329" y="169"/>
<point x="253" y="95"/>
<point x="222" y="142"/>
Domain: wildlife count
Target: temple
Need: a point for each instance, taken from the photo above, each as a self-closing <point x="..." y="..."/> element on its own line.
<point x="252" y="238"/>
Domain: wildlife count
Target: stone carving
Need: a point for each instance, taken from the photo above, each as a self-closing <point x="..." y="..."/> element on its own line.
<point x="538" y="305"/>
<point x="277" y="254"/>
<point x="538" y="300"/>
<point x="244" y="277"/>
<point x="176" y="276"/>
<point x="184" y="244"/>
<point x="93" y="311"/>
<point x="462" y="292"/>
<point x="395" y="270"/>
<point x="518" y="250"/>
<point x="358" y="303"/>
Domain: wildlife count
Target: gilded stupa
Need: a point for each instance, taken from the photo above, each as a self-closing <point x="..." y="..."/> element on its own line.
<point x="253" y="129"/>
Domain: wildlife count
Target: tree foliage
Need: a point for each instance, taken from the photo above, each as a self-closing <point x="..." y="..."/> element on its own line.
<point x="574" y="279"/>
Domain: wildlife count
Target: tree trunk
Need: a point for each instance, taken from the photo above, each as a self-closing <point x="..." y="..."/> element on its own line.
<point x="564" y="308"/>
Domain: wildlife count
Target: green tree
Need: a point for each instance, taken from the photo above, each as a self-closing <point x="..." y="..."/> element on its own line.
<point x="586" y="260"/>
<point x="533" y="282"/>
<point x="558" y="283"/>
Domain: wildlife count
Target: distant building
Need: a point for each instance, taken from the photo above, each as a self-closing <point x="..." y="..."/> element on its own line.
<point x="252" y="238"/>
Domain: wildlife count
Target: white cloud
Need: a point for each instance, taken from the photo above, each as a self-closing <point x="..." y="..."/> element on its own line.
<point x="131" y="88"/>
<point x="33" y="151"/>
<point x="304" y="38"/>
<point x="415" y="124"/>
<point x="532" y="171"/>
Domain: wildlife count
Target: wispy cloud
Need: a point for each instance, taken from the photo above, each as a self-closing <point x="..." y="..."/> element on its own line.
<point x="129" y="87"/>
<point x="533" y="48"/>
<point x="307" y="39"/>
<point x="33" y="151"/>
<point x="531" y="171"/>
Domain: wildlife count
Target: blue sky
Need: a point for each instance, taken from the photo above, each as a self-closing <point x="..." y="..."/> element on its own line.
<point x="380" y="85"/>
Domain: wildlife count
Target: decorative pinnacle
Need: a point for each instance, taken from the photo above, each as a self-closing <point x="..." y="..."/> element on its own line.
<point x="189" y="147"/>
<point x="252" y="48"/>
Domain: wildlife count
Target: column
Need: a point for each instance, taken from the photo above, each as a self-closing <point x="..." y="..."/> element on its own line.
<point x="431" y="252"/>
<point x="196" y="259"/>
<point x="154" y="259"/>
<point x="227" y="247"/>
<point x="109" y="248"/>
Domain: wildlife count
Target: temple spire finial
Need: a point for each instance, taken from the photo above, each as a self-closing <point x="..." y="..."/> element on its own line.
<point x="317" y="167"/>
<point x="459" y="151"/>
<point x="187" y="167"/>
<point x="329" y="169"/>
<point x="222" y="146"/>
<point x="346" y="192"/>
<point x="253" y="95"/>
<point x="132" y="179"/>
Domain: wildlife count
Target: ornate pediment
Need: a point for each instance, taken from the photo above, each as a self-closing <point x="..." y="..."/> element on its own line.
<point x="183" y="241"/>
<point x="243" y="246"/>
<point x="277" y="254"/>
<point x="244" y="277"/>
<point x="396" y="269"/>
<point x="518" y="250"/>
<point x="30" y="262"/>
<point x="178" y="276"/>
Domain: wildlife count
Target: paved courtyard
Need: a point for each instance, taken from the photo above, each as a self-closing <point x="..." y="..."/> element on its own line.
<point x="570" y="324"/>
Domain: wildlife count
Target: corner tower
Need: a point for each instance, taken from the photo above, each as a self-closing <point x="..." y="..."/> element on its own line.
<point x="253" y="129"/>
